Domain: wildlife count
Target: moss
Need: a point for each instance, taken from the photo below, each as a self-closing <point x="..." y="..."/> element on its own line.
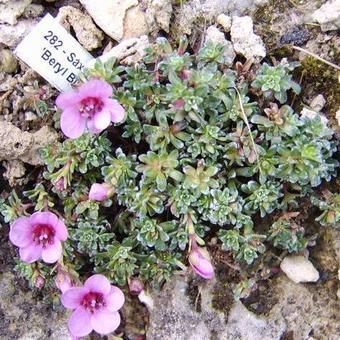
<point x="324" y="80"/>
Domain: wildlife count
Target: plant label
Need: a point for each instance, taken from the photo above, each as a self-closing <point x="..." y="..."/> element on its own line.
<point x="52" y="52"/>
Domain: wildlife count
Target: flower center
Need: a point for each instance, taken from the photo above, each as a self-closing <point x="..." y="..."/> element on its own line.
<point x="43" y="234"/>
<point x="90" y="106"/>
<point x="93" y="301"/>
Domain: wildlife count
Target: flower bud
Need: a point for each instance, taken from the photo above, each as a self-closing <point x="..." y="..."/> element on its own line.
<point x="63" y="281"/>
<point x="135" y="286"/>
<point x="100" y="192"/>
<point x="60" y="184"/>
<point x="39" y="282"/>
<point x="179" y="104"/>
<point x="199" y="260"/>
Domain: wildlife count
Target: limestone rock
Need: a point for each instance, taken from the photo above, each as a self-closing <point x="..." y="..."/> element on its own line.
<point x="24" y="317"/>
<point x="129" y="51"/>
<point x="328" y="15"/>
<point x="15" y="169"/>
<point x="299" y="269"/>
<point x="215" y="35"/>
<point x="225" y="21"/>
<point x="10" y="11"/>
<point x="86" y="31"/>
<point x="135" y="23"/>
<point x="158" y="14"/>
<point x="18" y="145"/>
<point x="109" y="15"/>
<point x="8" y="62"/>
<point x="245" y="41"/>
<point x="185" y="310"/>
<point x="12" y="35"/>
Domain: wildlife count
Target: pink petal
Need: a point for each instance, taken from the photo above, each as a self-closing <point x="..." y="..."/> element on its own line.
<point x="21" y="232"/>
<point x="98" y="283"/>
<point x="73" y="297"/>
<point x="105" y="322"/>
<point x="98" y="192"/>
<point x="53" y="252"/>
<point x="72" y="123"/>
<point x="80" y="322"/>
<point x="102" y="120"/>
<point x="67" y="99"/>
<point x="44" y="217"/>
<point x="115" y="300"/>
<point x="30" y="253"/>
<point x="61" y="230"/>
<point x="117" y="110"/>
<point x="95" y="88"/>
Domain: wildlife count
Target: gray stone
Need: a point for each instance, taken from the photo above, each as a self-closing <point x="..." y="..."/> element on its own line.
<point x="296" y="309"/>
<point x="86" y="31"/>
<point x="24" y="146"/>
<point x="109" y="15"/>
<point x="12" y="35"/>
<point x="23" y="317"/>
<point x="129" y="51"/>
<point x="328" y="15"/>
<point x="299" y="269"/>
<point x="225" y="21"/>
<point x="10" y="11"/>
<point x="8" y="62"/>
<point x="245" y="41"/>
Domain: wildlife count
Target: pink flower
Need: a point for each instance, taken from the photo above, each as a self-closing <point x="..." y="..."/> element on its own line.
<point x="100" y="192"/>
<point x="95" y="306"/>
<point x="199" y="260"/>
<point x="89" y="106"/>
<point x="39" y="236"/>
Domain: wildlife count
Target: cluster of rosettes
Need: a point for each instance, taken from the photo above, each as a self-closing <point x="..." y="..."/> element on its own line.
<point x="200" y="151"/>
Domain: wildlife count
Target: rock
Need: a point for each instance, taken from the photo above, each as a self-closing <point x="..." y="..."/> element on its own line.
<point x="328" y="15"/>
<point x="12" y="35"/>
<point x="135" y="23"/>
<point x="129" y="51"/>
<point x="215" y="35"/>
<point x="109" y="15"/>
<point x="245" y="41"/>
<point x="8" y="62"/>
<point x="318" y="103"/>
<point x="174" y="316"/>
<point x="33" y="10"/>
<point x="243" y="324"/>
<point x="337" y="116"/>
<point x="10" y="11"/>
<point x="18" y="145"/>
<point x="158" y="14"/>
<point x="296" y="36"/>
<point x="225" y="21"/>
<point x="86" y="31"/>
<point x="15" y="169"/>
<point x="299" y="269"/>
<point x="186" y="310"/>
<point x="26" y="317"/>
<point x="195" y="12"/>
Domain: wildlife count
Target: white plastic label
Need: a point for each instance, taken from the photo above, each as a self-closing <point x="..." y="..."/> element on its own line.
<point x="52" y="52"/>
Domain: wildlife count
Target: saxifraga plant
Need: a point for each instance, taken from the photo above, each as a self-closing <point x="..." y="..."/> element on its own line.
<point x="195" y="158"/>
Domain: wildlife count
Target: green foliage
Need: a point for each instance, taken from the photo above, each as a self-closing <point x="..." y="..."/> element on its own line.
<point x="288" y="235"/>
<point x="276" y="80"/>
<point x="202" y="151"/>
<point x="330" y="207"/>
